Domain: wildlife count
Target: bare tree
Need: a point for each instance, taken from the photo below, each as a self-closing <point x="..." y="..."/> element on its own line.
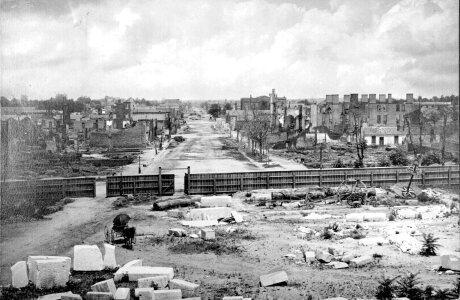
<point x="356" y="130"/>
<point x="256" y="125"/>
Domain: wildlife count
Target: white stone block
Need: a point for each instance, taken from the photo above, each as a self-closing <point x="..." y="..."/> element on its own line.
<point x="19" y="277"/>
<point x="49" y="272"/>
<point x="98" y="296"/>
<point x="135" y="273"/>
<point x="216" y="201"/>
<point x="237" y="216"/>
<point x="71" y="297"/>
<point x="124" y="270"/>
<point x="122" y="294"/>
<point x="179" y="232"/>
<point x="87" y="258"/>
<point x="212" y="213"/>
<point x="361" y="261"/>
<point x="375" y="217"/>
<point x="188" y="289"/>
<point x="261" y="196"/>
<point x="58" y="296"/>
<point x="451" y="262"/>
<point x="323" y="256"/>
<point x="144" y="293"/>
<point x="208" y="234"/>
<point x="167" y="294"/>
<point x="107" y="286"/>
<point x="158" y="282"/>
<point x="310" y="256"/>
<point x="233" y="298"/>
<point x="354" y="217"/>
<point x="109" y="256"/>
<point x="407" y="214"/>
<point x="373" y="241"/>
<point x="273" y="278"/>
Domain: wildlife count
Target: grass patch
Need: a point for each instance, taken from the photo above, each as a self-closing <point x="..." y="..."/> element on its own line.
<point x="218" y="247"/>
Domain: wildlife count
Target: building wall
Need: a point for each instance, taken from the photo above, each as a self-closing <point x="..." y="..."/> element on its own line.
<point x="135" y="137"/>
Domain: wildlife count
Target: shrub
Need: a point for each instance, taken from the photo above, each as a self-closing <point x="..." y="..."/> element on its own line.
<point x="393" y="215"/>
<point x="358" y="164"/>
<point x="430" y="245"/>
<point x="407" y="287"/>
<point x="386" y="288"/>
<point x="326" y="234"/>
<point x="444" y="294"/>
<point x="431" y="158"/>
<point x="398" y="157"/>
<point x="339" y="164"/>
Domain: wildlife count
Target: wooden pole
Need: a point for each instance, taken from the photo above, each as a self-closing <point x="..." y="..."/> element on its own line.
<point x="160" y="188"/>
<point x="188" y="181"/>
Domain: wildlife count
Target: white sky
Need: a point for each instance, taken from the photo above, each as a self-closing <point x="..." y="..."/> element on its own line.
<point x="212" y="49"/>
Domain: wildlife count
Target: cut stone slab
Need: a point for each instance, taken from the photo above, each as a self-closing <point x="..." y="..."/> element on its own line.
<point x="192" y="298"/>
<point x="335" y="251"/>
<point x="167" y="294"/>
<point x="135" y="273"/>
<point x="98" y="296"/>
<point x="208" y="234"/>
<point x="273" y="278"/>
<point x="361" y="261"/>
<point x="451" y="262"/>
<point x="71" y="297"/>
<point x="340" y="265"/>
<point x="200" y="223"/>
<point x="176" y="213"/>
<point x="375" y="217"/>
<point x="56" y="296"/>
<point x="373" y="241"/>
<point x="19" y="277"/>
<point x="109" y="256"/>
<point x="233" y="298"/>
<point x="261" y="196"/>
<point x="87" y="258"/>
<point x="179" y="232"/>
<point x="144" y="293"/>
<point x="32" y="266"/>
<point x="315" y="216"/>
<point x="323" y="256"/>
<point x="213" y="213"/>
<point x="216" y="201"/>
<point x="122" y="294"/>
<point x="407" y="214"/>
<point x="354" y="217"/>
<point x="336" y="298"/>
<point x="347" y="258"/>
<point x="107" y="286"/>
<point x="48" y="273"/>
<point x="188" y="289"/>
<point x="237" y="216"/>
<point x="124" y="270"/>
<point x="406" y="243"/>
<point x="158" y="282"/>
<point x="310" y="256"/>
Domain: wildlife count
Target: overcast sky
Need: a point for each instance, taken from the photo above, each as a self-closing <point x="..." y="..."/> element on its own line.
<point x="211" y="49"/>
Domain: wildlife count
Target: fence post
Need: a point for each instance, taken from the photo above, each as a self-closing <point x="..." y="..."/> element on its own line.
<point x="372" y="178"/>
<point x="214" y="184"/>
<point x="397" y="176"/>
<point x="188" y="180"/>
<point x="268" y="181"/>
<point x="134" y="185"/>
<point x="94" y="188"/>
<point x="346" y="177"/>
<point x="423" y="177"/>
<point x="241" y="183"/>
<point x="449" y="176"/>
<point x="320" y="178"/>
<point x="160" y="188"/>
<point x="293" y="181"/>
<point x="63" y="187"/>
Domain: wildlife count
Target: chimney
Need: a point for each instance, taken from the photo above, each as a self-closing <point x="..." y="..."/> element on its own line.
<point x="410" y="98"/>
<point x="328" y="98"/>
<point x="382" y="98"/>
<point x="335" y="99"/>
<point x="346" y="98"/>
<point x="354" y="98"/>
<point x="372" y="98"/>
<point x="364" y="98"/>
<point x="300" y="117"/>
<point x="389" y="99"/>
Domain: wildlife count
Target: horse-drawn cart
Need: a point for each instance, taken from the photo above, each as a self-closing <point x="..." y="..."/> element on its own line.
<point x="120" y="232"/>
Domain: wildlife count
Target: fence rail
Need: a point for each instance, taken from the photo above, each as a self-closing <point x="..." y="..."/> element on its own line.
<point x="25" y="196"/>
<point x="162" y="184"/>
<point x="215" y="183"/>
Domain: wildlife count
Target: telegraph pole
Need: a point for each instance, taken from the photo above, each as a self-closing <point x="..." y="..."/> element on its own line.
<point x="139" y="164"/>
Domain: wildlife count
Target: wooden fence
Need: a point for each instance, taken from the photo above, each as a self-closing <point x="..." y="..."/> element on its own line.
<point x="215" y="183"/>
<point x="162" y="184"/>
<point x="25" y="196"/>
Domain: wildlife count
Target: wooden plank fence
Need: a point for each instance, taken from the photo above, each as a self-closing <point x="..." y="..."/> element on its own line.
<point x="216" y="183"/>
<point x="25" y="196"/>
<point x="161" y="184"/>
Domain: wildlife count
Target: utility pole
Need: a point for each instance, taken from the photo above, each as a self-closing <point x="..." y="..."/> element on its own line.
<point x="139" y="164"/>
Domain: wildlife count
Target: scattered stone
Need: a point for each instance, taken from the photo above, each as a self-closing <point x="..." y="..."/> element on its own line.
<point x="216" y="201"/>
<point x="347" y="258"/>
<point x="451" y="262"/>
<point x="406" y="243"/>
<point x="188" y="289"/>
<point x="361" y="261"/>
<point x="158" y="282"/>
<point x="337" y="298"/>
<point x="354" y="217"/>
<point x="450" y="272"/>
<point x="87" y="258"/>
<point x="176" y="213"/>
<point x="309" y="256"/>
<point x="375" y="217"/>
<point x="56" y="296"/>
<point x="335" y="251"/>
<point x="99" y="296"/>
<point x="71" y="297"/>
<point x="208" y="234"/>
<point x="373" y="241"/>
<point x="107" y="286"/>
<point x="124" y="270"/>
<point x="134" y="273"/>
<point x="144" y="293"/>
<point x="233" y="298"/>
<point x="199" y="223"/>
<point x="315" y="216"/>
<point x="213" y="213"/>
<point x="48" y="272"/>
<point x="407" y="214"/>
<point x="179" y="232"/>
<point x="340" y="265"/>
<point x="167" y="294"/>
<point x="122" y="294"/>
<point x="261" y="196"/>
<point x="19" y="277"/>
<point x="109" y="256"/>
<point x="273" y="278"/>
<point x="323" y="256"/>
<point x="194" y="236"/>
<point x="237" y="216"/>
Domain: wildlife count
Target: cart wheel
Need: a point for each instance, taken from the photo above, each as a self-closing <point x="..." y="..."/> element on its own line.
<point x="408" y="194"/>
<point x="108" y="234"/>
<point x="310" y="205"/>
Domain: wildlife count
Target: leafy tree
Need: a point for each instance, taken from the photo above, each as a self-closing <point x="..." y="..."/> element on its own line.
<point x="256" y="125"/>
<point x="214" y="110"/>
<point x="398" y="157"/>
<point x="431" y="158"/>
<point x="227" y="106"/>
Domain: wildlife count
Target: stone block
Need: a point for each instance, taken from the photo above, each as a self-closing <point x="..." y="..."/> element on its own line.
<point x="167" y="294"/>
<point x="213" y="213"/>
<point x="200" y="223"/>
<point x="107" y="286"/>
<point x="208" y="234"/>
<point x="216" y="201"/>
<point x="233" y="298"/>
<point x="192" y="298"/>
<point x="99" y="296"/>
<point x="237" y="216"/>
<point x="354" y="217"/>
<point x="71" y="297"/>
<point x="19" y="277"/>
<point x="144" y="293"/>
<point x="188" y="289"/>
<point x="375" y="217"/>
<point x="135" y="273"/>
<point x="451" y="262"/>
<point x="347" y="258"/>
<point x="335" y="251"/>
<point x="373" y="241"/>
<point x="323" y="256"/>
<point x="336" y="298"/>
<point x="122" y="294"/>
<point x="261" y="196"/>
<point x="124" y="270"/>
<point x="273" y="278"/>
<point x="310" y="256"/>
<point x="109" y="256"/>
<point x="361" y="261"/>
<point x="176" y="213"/>
<point x="158" y="282"/>
<point x="340" y="265"/>
<point x="49" y="272"/>
<point x="56" y="296"/>
<point x="179" y="232"/>
<point x="87" y="258"/>
<point x="407" y="214"/>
